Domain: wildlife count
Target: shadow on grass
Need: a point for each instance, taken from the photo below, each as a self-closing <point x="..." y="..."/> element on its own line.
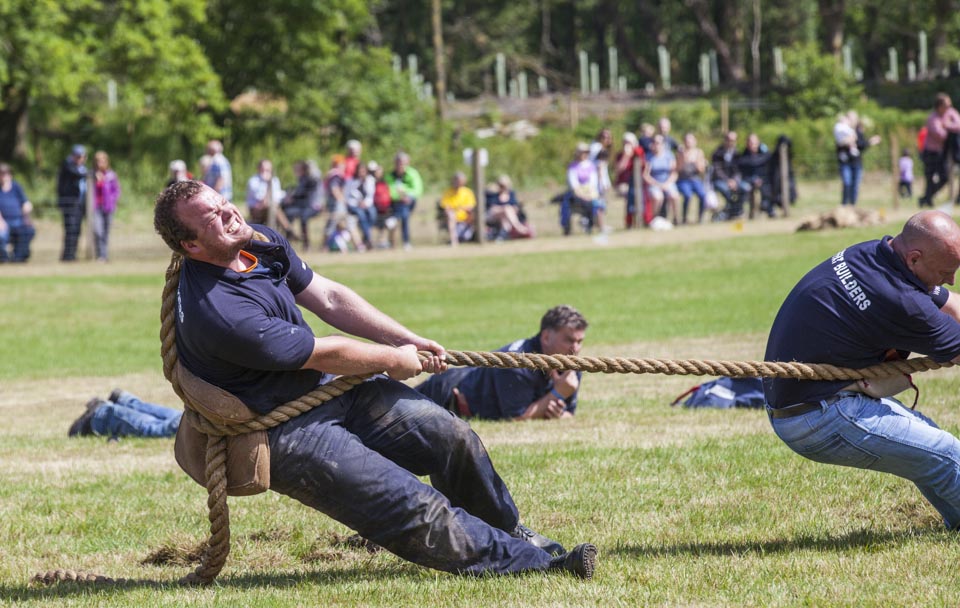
<point x="825" y="542"/>
<point x="277" y="580"/>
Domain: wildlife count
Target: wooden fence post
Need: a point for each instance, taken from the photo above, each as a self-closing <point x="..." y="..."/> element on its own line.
<point x="637" y="194"/>
<point x="479" y="187"/>
<point x="895" y="165"/>
<point x="784" y="179"/>
<point x="89" y="211"/>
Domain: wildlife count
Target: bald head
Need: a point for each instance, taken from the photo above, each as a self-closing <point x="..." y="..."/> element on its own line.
<point x="929" y="245"/>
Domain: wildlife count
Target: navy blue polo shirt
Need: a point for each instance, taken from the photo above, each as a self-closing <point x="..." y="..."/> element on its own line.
<point x="244" y="332"/>
<point x="850" y="311"/>
<point x="494" y="393"/>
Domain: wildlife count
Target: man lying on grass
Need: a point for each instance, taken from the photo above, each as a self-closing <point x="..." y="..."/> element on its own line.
<point x="357" y="457"/>
<point x="518" y="394"/>
<point x="872" y="302"/>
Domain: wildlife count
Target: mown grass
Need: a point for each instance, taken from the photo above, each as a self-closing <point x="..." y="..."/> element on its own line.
<point x="687" y="507"/>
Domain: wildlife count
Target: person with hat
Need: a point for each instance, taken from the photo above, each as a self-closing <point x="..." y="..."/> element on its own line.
<point x="71" y="199"/>
<point x="178" y="172"/>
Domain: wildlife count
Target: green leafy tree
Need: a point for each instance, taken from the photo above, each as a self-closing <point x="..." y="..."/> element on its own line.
<point x="57" y="58"/>
<point x="814" y="86"/>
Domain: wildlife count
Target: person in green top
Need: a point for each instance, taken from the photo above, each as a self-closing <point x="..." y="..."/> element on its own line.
<point x="406" y="186"/>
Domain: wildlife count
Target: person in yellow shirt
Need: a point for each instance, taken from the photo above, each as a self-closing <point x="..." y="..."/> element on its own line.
<point x="458" y="203"/>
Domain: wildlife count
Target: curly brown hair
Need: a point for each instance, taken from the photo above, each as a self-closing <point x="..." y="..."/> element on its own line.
<point x="165" y="220"/>
<point x="561" y="316"/>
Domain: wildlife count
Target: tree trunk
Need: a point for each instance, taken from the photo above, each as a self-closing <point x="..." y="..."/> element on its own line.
<point x="546" y="45"/>
<point x="755" y="48"/>
<point x="940" y="38"/>
<point x="831" y="20"/>
<point x="441" y="73"/>
<point x="729" y="54"/>
<point x="13" y="126"/>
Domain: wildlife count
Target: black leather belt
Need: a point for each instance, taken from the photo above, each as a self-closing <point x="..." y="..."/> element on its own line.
<point x="802" y="408"/>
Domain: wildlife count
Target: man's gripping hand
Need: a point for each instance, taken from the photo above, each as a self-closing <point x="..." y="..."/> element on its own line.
<point x="566" y="383"/>
<point x="406" y="363"/>
<point x="436" y="363"/>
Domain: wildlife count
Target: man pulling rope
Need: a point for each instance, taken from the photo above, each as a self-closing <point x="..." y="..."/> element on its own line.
<point x="357" y="458"/>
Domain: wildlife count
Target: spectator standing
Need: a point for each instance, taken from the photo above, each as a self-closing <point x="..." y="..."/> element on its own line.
<point x="601" y="151"/>
<point x="660" y="177"/>
<point x="178" y="172"/>
<point x="623" y="163"/>
<point x="106" y="193"/>
<point x="302" y="202"/>
<point x="692" y="165"/>
<point x="406" y="186"/>
<point x="851" y="144"/>
<point x="942" y="122"/>
<point x="218" y="174"/>
<point x="726" y="175"/>
<point x="458" y="203"/>
<point x="16" y="226"/>
<point x="263" y="189"/>
<point x="663" y="128"/>
<point x="647" y="131"/>
<point x="905" y="165"/>
<point x="351" y="161"/>
<point x="71" y="199"/>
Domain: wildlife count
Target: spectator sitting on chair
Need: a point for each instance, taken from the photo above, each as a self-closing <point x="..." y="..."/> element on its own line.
<point x="16" y="226"/>
<point x="125" y="415"/>
<point x="663" y="128"/>
<point x="692" y="166"/>
<point x="660" y="176"/>
<point x="360" y="190"/>
<point x="623" y="164"/>
<point x="458" y="203"/>
<point x="406" y="186"/>
<point x="726" y="176"/>
<point x="518" y="394"/>
<point x="503" y="212"/>
<point x="583" y="179"/>
<point x="753" y="168"/>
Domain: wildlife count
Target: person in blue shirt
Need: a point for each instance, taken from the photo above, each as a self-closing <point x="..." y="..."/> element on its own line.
<point x="16" y="226"/>
<point x="871" y="302"/>
<point x="359" y="457"/>
<point x="518" y="394"/>
<point x="71" y="199"/>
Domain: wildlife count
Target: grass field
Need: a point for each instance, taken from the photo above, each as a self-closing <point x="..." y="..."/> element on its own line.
<point x="687" y="507"/>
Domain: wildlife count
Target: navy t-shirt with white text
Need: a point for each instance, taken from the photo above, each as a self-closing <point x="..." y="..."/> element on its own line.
<point x="850" y="311"/>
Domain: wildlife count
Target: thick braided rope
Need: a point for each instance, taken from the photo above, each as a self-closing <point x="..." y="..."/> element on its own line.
<point x="690" y="367"/>
<point x="218" y="545"/>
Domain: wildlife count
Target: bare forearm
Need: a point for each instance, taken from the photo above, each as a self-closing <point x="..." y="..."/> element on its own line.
<point x="343" y="356"/>
<point x="344" y="309"/>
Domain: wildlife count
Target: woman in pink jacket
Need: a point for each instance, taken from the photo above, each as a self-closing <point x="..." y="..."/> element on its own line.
<point x="106" y="192"/>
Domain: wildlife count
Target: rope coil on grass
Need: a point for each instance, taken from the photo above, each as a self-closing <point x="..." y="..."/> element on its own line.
<point x="218" y="545"/>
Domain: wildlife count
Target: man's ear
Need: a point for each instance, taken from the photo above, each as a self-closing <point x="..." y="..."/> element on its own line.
<point x="191" y="247"/>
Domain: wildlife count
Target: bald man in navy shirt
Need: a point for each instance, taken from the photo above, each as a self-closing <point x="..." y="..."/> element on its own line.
<point x="868" y="303"/>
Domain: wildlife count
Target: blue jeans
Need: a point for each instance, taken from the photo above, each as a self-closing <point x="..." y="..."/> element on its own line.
<point x="881" y="435"/>
<point x="850" y="176"/>
<point x="101" y="231"/>
<point x="734" y="198"/>
<point x="19" y="235"/>
<point x="402" y="212"/>
<point x="356" y="458"/>
<point x="687" y="188"/>
<point x="131" y="417"/>
<point x="366" y="218"/>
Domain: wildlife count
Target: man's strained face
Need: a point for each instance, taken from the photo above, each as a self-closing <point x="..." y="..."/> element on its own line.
<point x="220" y="228"/>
